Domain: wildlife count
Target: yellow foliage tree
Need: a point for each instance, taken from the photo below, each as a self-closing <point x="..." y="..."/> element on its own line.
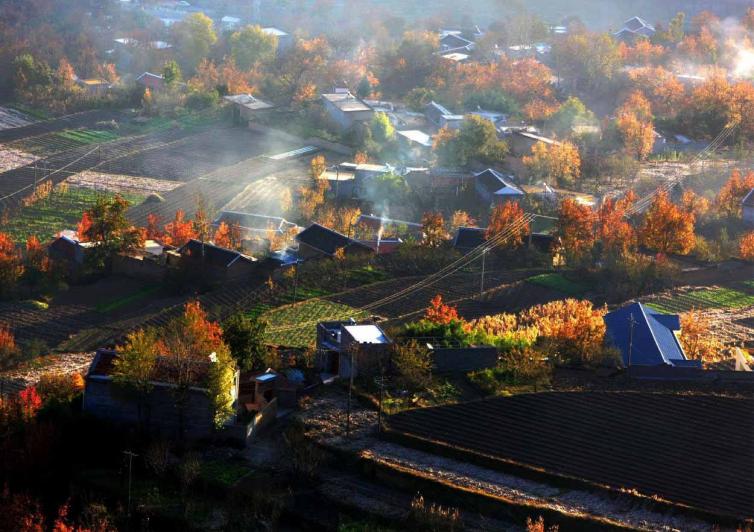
<point x="559" y="161"/>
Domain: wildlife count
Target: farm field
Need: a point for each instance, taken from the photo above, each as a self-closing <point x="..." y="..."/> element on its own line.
<point x="558" y="282"/>
<point x="295" y="325"/>
<point x="11" y="158"/>
<point x="739" y="296"/>
<point x="10" y="118"/>
<point x="122" y="183"/>
<point x="61" y="210"/>
<point x="632" y="441"/>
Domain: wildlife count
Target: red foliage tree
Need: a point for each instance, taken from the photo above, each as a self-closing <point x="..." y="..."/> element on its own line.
<point x="440" y="313"/>
<point x="179" y="231"/>
<point x="575" y="229"/>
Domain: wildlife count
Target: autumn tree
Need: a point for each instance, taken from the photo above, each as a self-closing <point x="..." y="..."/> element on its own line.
<point x="587" y="60"/>
<point x="615" y="232"/>
<point x="746" y="246"/>
<point x="439" y="313"/>
<point x="252" y="46"/>
<point x="508" y="218"/>
<point x="171" y="73"/>
<point x="570" y="114"/>
<point x="461" y="219"/>
<point x="36" y="262"/>
<point x="153" y="231"/>
<point x="731" y="194"/>
<point x="11" y="266"/>
<point x="634" y="124"/>
<point x="194" y="37"/>
<point x="697" y="338"/>
<point x="133" y="368"/>
<point x="179" y="231"/>
<point x="110" y="230"/>
<point x="311" y="198"/>
<point x="694" y="203"/>
<point x="228" y="236"/>
<point x="433" y="226"/>
<point x="666" y="227"/>
<point x="8" y="347"/>
<point x="560" y="161"/>
<point x="317" y="167"/>
<point x="575" y="230"/>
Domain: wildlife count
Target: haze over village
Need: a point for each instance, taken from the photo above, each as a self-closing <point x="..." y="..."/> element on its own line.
<point x="374" y="266"/>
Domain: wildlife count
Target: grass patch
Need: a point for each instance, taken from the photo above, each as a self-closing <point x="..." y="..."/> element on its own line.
<point x="62" y="209"/>
<point x="557" y="282"/>
<point x="296" y="325"/>
<point x="225" y="473"/>
<point x="705" y="298"/>
<point x="126" y="300"/>
<point x="367" y="275"/>
<point x="87" y="136"/>
<point x="39" y="114"/>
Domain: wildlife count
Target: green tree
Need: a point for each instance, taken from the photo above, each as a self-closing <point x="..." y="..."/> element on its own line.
<point x="476" y="140"/>
<point x="31" y="77"/>
<point x="418" y="98"/>
<point x="572" y="113"/>
<point x="491" y="100"/>
<point x="194" y="37"/>
<point x="245" y="337"/>
<point x="109" y="230"/>
<point x="172" y="73"/>
<point x="251" y="46"/>
<point x="364" y="88"/>
<point x="381" y="128"/>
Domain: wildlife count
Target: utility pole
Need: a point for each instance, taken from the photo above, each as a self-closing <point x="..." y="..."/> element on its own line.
<point x="130" y="456"/>
<point x="381" y="382"/>
<point x="295" y="281"/>
<point x="631" y="324"/>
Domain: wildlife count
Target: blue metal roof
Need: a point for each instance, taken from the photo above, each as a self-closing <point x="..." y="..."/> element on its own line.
<point x="654" y="340"/>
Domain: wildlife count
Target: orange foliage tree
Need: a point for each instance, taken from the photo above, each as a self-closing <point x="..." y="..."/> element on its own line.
<point x="11" y="266"/>
<point x="698" y="339"/>
<point x="508" y="218"/>
<point x="8" y="347"/>
<point x="228" y="236"/>
<point x="461" y="219"/>
<point x="746" y="246"/>
<point x="575" y="230"/>
<point x="634" y="123"/>
<point x="667" y="228"/>
<point x="83" y="227"/>
<point x="574" y="328"/>
<point x="694" y="203"/>
<point x="36" y="261"/>
<point x="433" y="226"/>
<point x="440" y="313"/>
<point x="560" y="161"/>
<point x="179" y="231"/>
<point x="733" y="191"/>
<point x="153" y="229"/>
<point x="661" y="87"/>
<point x="615" y="233"/>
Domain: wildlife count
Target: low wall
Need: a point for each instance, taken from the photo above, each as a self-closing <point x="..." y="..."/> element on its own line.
<point x="139" y="268"/>
<point x="667" y="373"/>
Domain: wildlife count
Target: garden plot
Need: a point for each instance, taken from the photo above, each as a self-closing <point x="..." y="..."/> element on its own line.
<point x="296" y="325"/>
<point x="10" y="118"/>
<point x="122" y="183"/>
<point x="11" y="158"/>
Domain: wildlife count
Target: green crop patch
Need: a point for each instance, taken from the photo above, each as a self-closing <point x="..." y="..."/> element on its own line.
<point x="704" y="298"/>
<point x="296" y="325"/>
<point x="557" y="282"/>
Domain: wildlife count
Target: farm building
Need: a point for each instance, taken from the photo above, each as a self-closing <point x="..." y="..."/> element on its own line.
<point x="346" y="110"/>
<point x="633" y="28"/>
<point x="494" y="188"/>
<point x="468" y="238"/>
<point x="215" y="263"/>
<point x="285" y="40"/>
<point x="246" y="107"/>
<point x="522" y="141"/>
<point x="646" y="337"/>
<point x="319" y="241"/>
<point x="415" y="145"/>
<point x="93" y="87"/>
<point x="105" y="399"/>
<point x="747" y="207"/>
<point x="341" y="342"/>
<point x="153" y="82"/>
<point x="67" y="249"/>
<point x="440" y="117"/>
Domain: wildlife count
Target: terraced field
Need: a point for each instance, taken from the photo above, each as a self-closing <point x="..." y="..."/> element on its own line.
<point x="739" y="296"/>
<point x="691" y="450"/>
<point x="295" y="325"/>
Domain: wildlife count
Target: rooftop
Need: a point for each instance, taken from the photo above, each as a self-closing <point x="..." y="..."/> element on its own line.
<point x="214" y="255"/>
<point x="248" y="101"/>
<point x="346" y="102"/>
<point x="415" y="135"/>
<point x="367" y="334"/>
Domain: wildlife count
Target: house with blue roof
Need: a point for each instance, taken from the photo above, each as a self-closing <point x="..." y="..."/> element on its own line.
<point x="646" y="337"/>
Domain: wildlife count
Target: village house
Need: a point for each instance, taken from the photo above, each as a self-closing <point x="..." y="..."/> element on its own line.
<point x="633" y="28"/>
<point x="453" y="41"/>
<point x="380" y="225"/>
<point x="494" y="188"/>
<point x="440" y="117"/>
<point x="747" y="208"/>
<point x="346" y="110"/>
<point x="469" y="238"/>
<point x="93" y="87"/>
<point x="153" y="82"/>
<point x="148" y="263"/>
<point x="646" y="337"/>
<point x="69" y="252"/>
<point x="214" y="263"/>
<point x="256" y="229"/>
<point x="343" y="343"/>
<point x="415" y="145"/>
<point x="229" y="23"/>
<point x="285" y="40"/>
<point x="522" y="141"/>
<point x="246" y="107"/>
<point x="319" y="241"/>
<point x="159" y="411"/>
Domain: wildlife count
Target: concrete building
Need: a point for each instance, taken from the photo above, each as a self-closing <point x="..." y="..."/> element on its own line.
<point x="346" y="110"/>
<point x="343" y="343"/>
